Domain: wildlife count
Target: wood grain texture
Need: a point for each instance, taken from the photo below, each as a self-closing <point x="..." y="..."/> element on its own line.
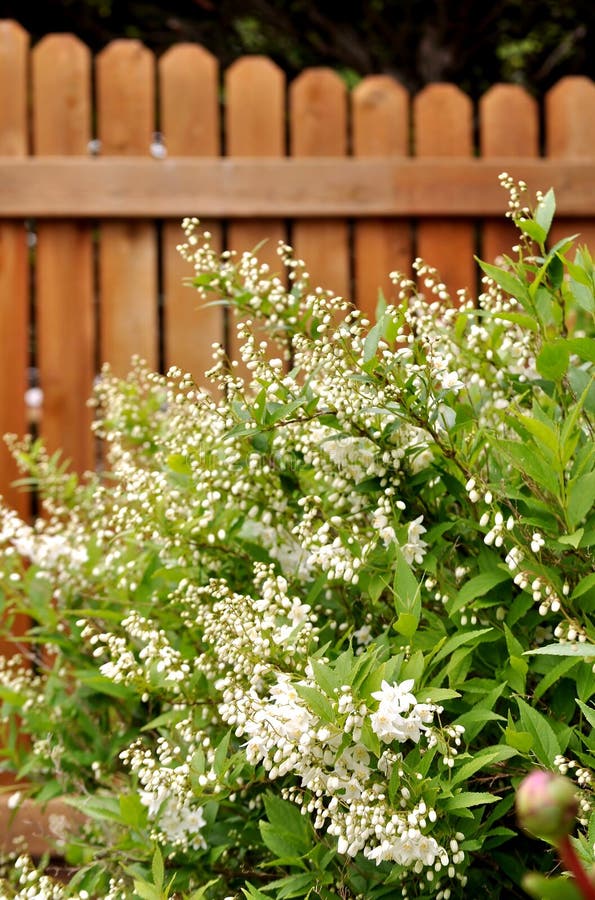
<point x="128" y="250"/>
<point x="64" y="263"/>
<point x="570" y="135"/>
<point x="254" y="127"/>
<point x="14" y="290"/>
<point x="380" y="117"/>
<point x="318" y="128"/>
<point x="508" y="125"/>
<point x="189" y="128"/>
<point x="443" y="126"/>
<point x="252" y="188"/>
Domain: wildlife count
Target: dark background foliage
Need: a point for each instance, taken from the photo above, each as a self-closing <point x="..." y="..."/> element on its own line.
<point x="472" y="43"/>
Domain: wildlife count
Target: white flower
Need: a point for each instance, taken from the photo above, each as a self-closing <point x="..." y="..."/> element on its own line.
<point x="450" y="381"/>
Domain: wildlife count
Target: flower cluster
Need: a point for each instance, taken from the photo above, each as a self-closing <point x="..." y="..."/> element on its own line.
<point x="308" y="625"/>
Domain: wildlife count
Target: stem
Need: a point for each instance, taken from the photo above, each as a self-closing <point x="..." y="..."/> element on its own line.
<point x="571" y="863"/>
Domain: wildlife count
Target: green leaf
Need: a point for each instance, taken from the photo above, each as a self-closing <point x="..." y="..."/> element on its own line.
<point x="557" y="671"/>
<point x="584" y="347"/>
<point x="578" y="651"/>
<point x="282" y="843"/>
<point x="491" y="756"/>
<point x="530" y="463"/>
<point x="221" y="754"/>
<point x="552" y="360"/>
<point x="294" y="885"/>
<point x="519" y="740"/>
<point x="286" y="816"/>
<point x="509" y="282"/>
<point x="407" y="624"/>
<point x="478" y="586"/>
<point x="545" y="742"/>
<point x="457" y="640"/>
<point x="533" y="229"/>
<point x="541" y="888"/>
<point x="572" y="540"/>
<point x="406" y="587"/>
<point x="325" y="677"/>
<point x="544" y="212"/>
<point x="201" y="893"/>
<point x="157" y="868"/>
<point x="371" y="341"/>
<point x="581" y="496"/>
<point x="147" y="891"/>
<point x="588" y="712"/>
<point x="584" y="585"/>
<point x="469" y="798"/>
<point x="132" y="811"/>
<point x="317" y="701"/>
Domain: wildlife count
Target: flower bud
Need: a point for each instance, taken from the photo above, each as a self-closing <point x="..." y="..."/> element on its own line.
<point x="546" y="805"/>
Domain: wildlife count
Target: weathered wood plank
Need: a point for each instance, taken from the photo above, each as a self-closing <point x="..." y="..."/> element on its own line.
<point x="570" y="136"/>
<point x="190" y="128"/>
<point x="380" y="117"/>
<point x="14" y="281"/>
<point x="443" y="124"/>
<point x="508" y="123"/>
<point x="318" y="128"/>
<point x="64" y="265"/>
<point x="128" y="319"/>
<point x="254" y="127"/>
<point x="138" y="187"/>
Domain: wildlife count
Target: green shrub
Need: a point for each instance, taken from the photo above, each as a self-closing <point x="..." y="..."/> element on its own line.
<point x="306" y="633"/>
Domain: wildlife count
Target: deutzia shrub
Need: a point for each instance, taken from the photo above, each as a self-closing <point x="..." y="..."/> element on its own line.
<point x="307" y="631"/>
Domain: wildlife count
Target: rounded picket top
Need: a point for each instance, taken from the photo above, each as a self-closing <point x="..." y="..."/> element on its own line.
<point x="318" y="114"/>
<point x="570" y="118"/>
<point x="508" y="122"/>
<point x="14" y="53"/>
<point x="380" y="108"/>
<point x="443" y="119"/>
<point x="61" y="71"/>
<point x="255" y="107"/>
<point x="191" y="127"/>
<point x="126" y="97"/>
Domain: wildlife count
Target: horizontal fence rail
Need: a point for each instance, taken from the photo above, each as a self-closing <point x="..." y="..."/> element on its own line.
<point x="256" y="188"/>
<point x="101" y="157"/>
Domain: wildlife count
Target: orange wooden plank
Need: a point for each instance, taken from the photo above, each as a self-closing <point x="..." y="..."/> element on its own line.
<point x="318" y="127"/>
<point x="260" y="188"/>
<point x="443" y="123"/>
<point x="190" y="128"/>
<point x="14" y="292"/>
<point x="570" y="135"/>
<point x="128" y="250"/>
<point x="14" y="287"/>
<point x="508" y="126"/>
<point x="64" y="277"/>
<point x="254" y="127"/>
<point x="380" y="116"/>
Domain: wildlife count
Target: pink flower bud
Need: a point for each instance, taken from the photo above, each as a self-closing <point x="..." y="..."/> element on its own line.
<point x="546" y="805"/>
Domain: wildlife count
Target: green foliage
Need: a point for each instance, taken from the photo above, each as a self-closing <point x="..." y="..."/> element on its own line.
<point x="307" y="633"/>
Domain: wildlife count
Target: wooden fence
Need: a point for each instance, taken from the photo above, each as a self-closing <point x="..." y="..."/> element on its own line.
<point x="359" y="183"/>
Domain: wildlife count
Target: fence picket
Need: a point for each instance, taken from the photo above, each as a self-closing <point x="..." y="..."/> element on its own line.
<point x="14" y="280"/>
<point x="380" y="110"/>
<point x="64" y="282"/>
<point x="14" y="286"/>
<point x="318" y="127"/>
<point x="570" y="134"/>
<point x="127" y="250"/>
<point x="254" y="126"/>
<point x="189" y="128"/>
<point x="443" y="127"/>
<point x="508" y="126"/>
